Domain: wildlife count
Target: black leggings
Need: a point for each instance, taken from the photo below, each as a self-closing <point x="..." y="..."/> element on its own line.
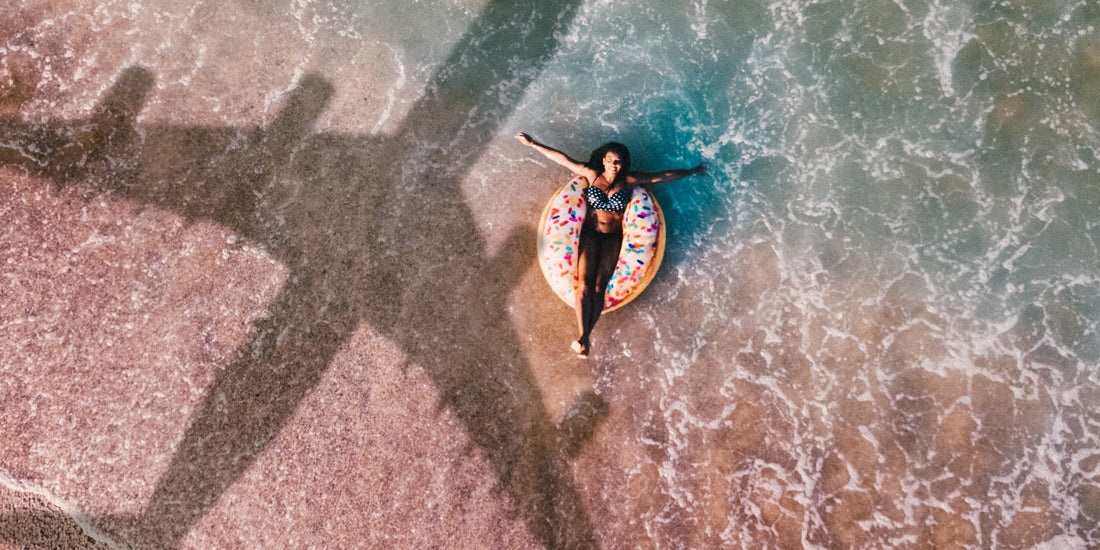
<point x="597" y="255"/>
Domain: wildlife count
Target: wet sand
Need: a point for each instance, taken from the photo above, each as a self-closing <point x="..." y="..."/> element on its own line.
<point x="257" y="323"/>
<point x="30" y="521"/>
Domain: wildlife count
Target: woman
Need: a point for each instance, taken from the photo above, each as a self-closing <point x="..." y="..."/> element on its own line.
<point x="609" y="184"/>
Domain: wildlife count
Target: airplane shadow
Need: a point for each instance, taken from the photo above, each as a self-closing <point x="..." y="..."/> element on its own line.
<point x="366" y="239"/>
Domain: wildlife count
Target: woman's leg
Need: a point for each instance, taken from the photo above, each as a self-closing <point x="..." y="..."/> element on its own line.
<point x="597" y="255"/>
<point x="585" y="250"/>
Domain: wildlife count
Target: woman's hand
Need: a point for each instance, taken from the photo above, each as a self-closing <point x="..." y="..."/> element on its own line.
<point x="525" y="139"/>
<point x="643" y="178"/>
<point x="556" y="156"/>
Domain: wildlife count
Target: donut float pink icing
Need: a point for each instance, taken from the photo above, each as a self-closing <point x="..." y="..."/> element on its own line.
<point x="639" y="258"/>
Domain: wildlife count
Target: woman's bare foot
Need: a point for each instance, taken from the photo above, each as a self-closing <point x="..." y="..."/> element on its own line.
<point x="581" y="348"/>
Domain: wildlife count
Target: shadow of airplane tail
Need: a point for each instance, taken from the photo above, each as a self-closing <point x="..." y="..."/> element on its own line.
<point x="67" y="151"/>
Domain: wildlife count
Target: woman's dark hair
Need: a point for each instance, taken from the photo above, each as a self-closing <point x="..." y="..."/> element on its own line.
<point x="595" y="161"/>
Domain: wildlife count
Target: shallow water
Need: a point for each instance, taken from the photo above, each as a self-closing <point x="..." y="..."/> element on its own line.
<point x="876" y="323"/>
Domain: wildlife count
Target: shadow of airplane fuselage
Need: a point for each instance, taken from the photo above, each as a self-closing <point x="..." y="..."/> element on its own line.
<point x="366" y="239"/>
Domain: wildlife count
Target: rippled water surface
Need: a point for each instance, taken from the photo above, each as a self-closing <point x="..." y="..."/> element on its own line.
<point x="877" y="323"/>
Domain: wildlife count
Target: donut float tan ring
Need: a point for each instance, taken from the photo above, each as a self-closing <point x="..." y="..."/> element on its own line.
<point x="639" y="258"/>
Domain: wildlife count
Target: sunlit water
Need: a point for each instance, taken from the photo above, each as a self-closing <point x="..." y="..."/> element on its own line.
<point x="886" y="295"/>
<point x="877" y="319"/>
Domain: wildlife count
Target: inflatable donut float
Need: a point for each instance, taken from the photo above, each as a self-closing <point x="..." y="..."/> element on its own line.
<point x="639" y="258"/>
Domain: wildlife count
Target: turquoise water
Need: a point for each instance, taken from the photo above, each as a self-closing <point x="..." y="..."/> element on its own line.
<point x="903" y="209"/>
<point x="877" y="323"/>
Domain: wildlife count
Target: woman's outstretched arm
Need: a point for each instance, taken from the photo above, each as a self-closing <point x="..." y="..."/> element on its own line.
<point x="553" y="154"/>
<point x="637" y="178"/>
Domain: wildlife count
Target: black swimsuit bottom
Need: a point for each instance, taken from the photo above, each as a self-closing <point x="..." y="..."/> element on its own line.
<point x="603" y="237"/>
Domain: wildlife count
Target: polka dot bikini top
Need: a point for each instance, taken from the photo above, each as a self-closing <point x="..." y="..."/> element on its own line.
<point x="598" y="199"/>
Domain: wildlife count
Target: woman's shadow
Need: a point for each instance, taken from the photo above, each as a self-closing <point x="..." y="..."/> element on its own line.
<point x="366" y="239"/>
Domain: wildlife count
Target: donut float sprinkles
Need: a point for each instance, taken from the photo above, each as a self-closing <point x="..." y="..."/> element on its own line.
<point x="639" y="257"/>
